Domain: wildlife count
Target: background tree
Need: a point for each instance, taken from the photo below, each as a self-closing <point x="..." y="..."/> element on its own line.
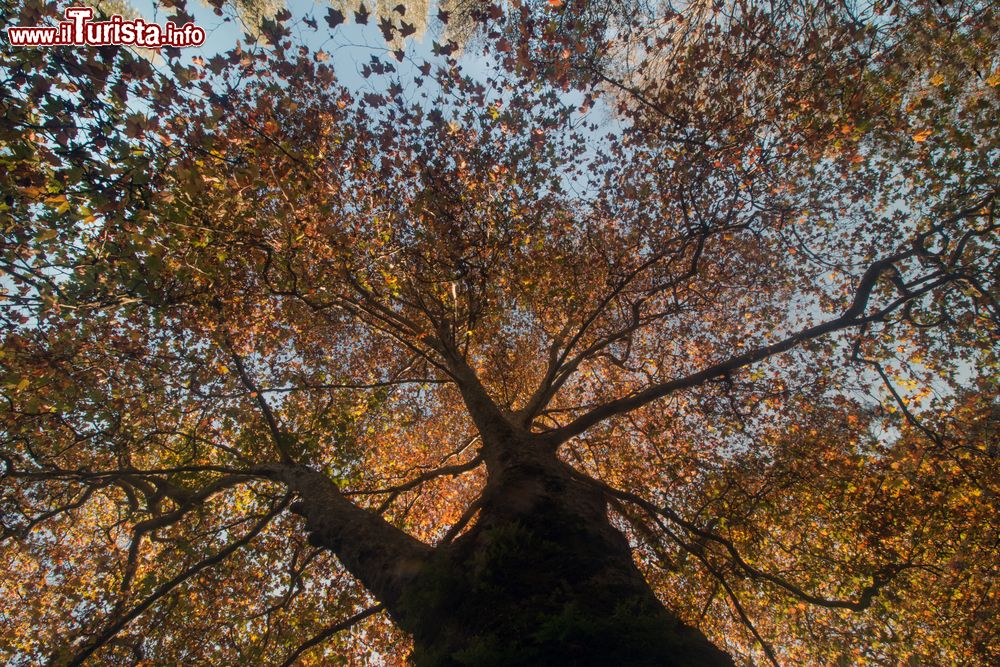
<point x="664" y="323"/>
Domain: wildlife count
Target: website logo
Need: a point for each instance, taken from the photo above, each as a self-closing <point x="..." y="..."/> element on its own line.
<point x="79" y="30"/>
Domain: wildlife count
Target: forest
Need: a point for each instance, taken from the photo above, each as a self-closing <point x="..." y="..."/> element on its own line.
<point x="496" y="334"/>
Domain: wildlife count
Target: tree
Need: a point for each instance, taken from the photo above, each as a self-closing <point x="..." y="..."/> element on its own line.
<point x="668" y="340"/>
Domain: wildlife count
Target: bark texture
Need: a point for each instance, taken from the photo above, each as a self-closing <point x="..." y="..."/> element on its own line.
<point x="382" y="557"/>
<point x="542" y="578"/>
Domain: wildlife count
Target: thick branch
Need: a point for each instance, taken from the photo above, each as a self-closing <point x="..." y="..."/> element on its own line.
<point x="496" y="428"/>
<point x="853" y="316"/>
<point x="380" y="555"/>
<point x="561" y="366"/>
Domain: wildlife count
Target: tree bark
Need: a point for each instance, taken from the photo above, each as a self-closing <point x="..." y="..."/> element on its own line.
<point x="542" y="578"/>
<point x="384" y="558"/>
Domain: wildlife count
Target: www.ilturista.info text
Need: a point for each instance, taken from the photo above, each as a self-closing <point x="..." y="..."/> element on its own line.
<point x="78" y="29"/>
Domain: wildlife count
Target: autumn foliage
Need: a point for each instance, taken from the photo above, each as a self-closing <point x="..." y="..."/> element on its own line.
<point x="734" y="262"/>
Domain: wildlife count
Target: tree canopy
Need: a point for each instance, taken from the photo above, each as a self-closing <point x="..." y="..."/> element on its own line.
<point x="735" y="262"/>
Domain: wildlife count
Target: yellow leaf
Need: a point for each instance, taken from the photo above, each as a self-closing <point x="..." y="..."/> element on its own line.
<point x="921" y="137"/>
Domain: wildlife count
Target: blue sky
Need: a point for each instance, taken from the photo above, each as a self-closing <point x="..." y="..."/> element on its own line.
<point x="350" y="45"/>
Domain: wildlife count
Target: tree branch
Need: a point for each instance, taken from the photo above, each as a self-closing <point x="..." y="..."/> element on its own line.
<point x="265" y="408"/>
<point x="395" y="491"/>
<point x="117" y="626"/>
<point x="879" y="580"/>
<point x="382" y="556"/>
<point x="330" y="631"/>
<point x="853" y="316"/>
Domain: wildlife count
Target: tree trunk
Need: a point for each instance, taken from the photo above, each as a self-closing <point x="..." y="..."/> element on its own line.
<point x="541" y="579"/>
